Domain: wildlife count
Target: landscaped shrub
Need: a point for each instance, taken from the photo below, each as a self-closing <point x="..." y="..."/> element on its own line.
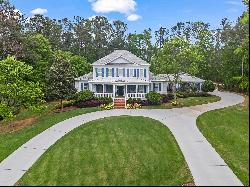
<point x="167" y="97"/>
<point x="96" y="102"/>
<point x="107" y="106"/>
<point x="66" y="104"/>
<point x="154" y="98"/>
<point x="82" y="96"/>
<point x="137" y="101"/>
<point x="237" y="84"/>
<point x="192" y="94"/>
<point x="133" y="106"/>
<point x="208" y="86"/>
<point x="5" y="112"/>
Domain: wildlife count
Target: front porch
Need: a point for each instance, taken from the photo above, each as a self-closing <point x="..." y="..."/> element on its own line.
<point x="121" y="90"/>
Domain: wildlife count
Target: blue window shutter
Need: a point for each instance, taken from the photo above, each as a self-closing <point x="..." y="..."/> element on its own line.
<point x="145" y="73"/>
<point x="153" y="86"/>
<point x="96" y="72"/>
<point x="102" y="72"/>
<point x="138" y="72"/>
<point x="160" y="87"/>
<point x="81" y="86"/>
<point x="127" y="72"/>
<point x="116" y="72"/>
<point x="113" y="72"/>
<point x="134" y="72"/>
<point x="107" y="72"/>
<point x="124" y="74"/>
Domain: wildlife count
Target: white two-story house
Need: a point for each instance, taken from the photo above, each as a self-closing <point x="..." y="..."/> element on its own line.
<point x="121" y="74"/>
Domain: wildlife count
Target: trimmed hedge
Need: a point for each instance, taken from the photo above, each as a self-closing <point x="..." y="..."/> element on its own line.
<point x="192" y="94"/>
<point x="82" y="96"/>
<point x="208" y="86"/>
<point x="94" y="102"/>
<point x="154" y="98"/>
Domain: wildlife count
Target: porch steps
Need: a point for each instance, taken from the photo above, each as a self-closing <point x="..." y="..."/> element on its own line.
<point x="119" y="103"/>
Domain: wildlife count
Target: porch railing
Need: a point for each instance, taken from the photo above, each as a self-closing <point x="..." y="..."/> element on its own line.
<point x="104" y="95"/>
<point x="136" y="95"/>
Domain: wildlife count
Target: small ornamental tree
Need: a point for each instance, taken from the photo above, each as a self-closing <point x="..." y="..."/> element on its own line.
<point x="61" y="80"/>
<point x="177" y="56"/>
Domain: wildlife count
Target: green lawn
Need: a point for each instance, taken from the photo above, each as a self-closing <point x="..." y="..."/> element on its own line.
<point x="112" y="151"/>
<point x="9" y="142"/>
<point x="186" y="102"/>
<point x="228" y="131"/>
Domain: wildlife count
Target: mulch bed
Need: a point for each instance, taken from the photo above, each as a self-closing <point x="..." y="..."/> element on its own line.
<point x="17" y="125"/>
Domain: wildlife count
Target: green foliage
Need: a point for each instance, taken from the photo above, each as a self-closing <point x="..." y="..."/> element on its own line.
<point x="78" y="63"/>
<point x="238" y="84"/>
<point x="107" y="106"/>
<point x="5" y="112"/>
<point x="208" y="86"/>
<point x="16" y="90"/>
<point x="37" y="49"/>
<point x="61" y="80"/>
<point x="83" y="96"/>
<point x="154" y="98"/>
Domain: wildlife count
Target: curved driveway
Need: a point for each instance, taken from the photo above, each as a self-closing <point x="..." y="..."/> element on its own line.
<point x="206" y="165"/>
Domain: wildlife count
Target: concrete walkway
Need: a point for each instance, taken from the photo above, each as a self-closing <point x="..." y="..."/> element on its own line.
<point x="206" y="165"/>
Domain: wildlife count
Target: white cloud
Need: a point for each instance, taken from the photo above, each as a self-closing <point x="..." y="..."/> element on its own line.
<point x="133" y="17"/>
<point x="127" y="7"/>
<point x="39" y="11"/>
<point x="107" y="6"/>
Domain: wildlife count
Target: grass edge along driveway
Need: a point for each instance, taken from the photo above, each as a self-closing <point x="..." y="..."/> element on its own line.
<point x="9" y="142"/>
<point x="227" y="130"/>
<point x="120" y="150"/>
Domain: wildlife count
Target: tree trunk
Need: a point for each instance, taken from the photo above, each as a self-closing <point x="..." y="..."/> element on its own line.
<point x="61" y="104"/>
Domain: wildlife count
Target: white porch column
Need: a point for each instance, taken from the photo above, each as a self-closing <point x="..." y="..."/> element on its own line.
<point x="200" y="87"/>
<point x="114" y="91"/>
<point x="136" y="90"/>
<point x="125" y="91"/>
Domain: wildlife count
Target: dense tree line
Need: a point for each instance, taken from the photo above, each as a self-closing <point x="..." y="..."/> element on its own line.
<point x="220" y="55"/>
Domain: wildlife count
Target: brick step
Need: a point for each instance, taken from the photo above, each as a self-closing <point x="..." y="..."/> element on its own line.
<point x="119" y="102"/>
<point x="120" y="107"/>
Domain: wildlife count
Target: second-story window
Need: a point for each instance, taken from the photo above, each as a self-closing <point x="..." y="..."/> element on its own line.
<point x="110" y="72"/>
<point x="98" y="72"/>
<point x="145" y="73"/>
<point x="141" y="73"/>
<point x="120" y="72"/>
<point x="131" y="73"/>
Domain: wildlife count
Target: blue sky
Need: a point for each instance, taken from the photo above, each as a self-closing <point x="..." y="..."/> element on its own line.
<point x="138" y="14"/>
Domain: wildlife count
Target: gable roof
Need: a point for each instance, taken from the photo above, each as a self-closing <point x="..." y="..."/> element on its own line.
<point x="184" y="77"/>
<point x="120" y="54"/>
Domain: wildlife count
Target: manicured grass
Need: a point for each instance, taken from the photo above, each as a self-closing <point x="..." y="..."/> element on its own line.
<point x="112" y="151"/>
<point x="9" y="142"/>
<point x="186" y="102"/>
<point x="228" y="131"/>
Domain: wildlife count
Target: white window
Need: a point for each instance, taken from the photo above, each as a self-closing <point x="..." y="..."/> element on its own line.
<point x="157" y="87"/>
<point x="141" y="73"/>
<point x="131" y="72"/>
<point x="120" y="72"/>
<point x="110" y="72"/>
<point x="99" y="72"/>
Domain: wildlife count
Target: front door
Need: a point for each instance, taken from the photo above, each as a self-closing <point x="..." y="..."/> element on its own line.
<point x="120" y="91"/>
